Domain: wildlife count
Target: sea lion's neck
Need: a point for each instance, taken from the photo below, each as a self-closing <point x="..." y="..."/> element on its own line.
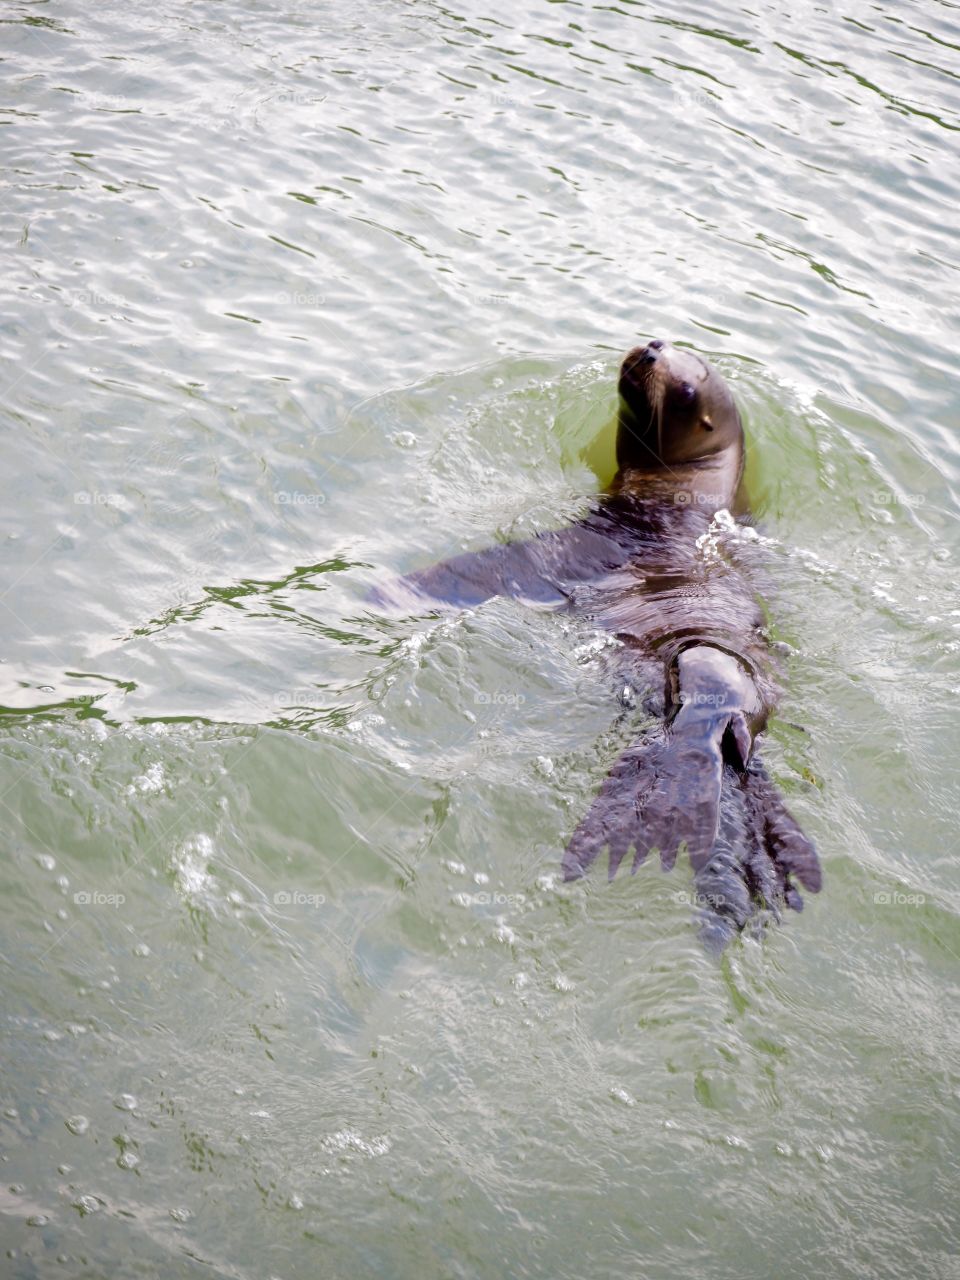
<point x="708" y="484"/>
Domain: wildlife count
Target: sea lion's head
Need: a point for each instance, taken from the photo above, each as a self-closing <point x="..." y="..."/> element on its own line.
<point x="674" y="408"/>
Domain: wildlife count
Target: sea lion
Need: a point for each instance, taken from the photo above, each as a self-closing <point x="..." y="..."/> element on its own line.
<point x="692" y="638"/>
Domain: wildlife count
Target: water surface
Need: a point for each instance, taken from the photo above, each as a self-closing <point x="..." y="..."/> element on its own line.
<point x="300" y="296"/>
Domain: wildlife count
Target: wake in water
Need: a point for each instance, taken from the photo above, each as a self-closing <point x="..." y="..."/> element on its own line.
<point x="643" y="565"/>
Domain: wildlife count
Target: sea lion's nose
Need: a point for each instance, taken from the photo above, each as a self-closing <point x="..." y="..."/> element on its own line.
<point x="638" y="357"/>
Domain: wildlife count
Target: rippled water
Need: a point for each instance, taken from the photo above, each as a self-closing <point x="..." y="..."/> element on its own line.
<point x="300" y="296"/>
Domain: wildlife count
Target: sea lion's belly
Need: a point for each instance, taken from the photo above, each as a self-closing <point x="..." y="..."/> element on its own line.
<point x="655" y="605"/>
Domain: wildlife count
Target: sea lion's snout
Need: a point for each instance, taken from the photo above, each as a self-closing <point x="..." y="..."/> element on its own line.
<point x="637" y="372"/>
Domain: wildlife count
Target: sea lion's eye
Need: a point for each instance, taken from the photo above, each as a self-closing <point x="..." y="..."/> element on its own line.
<point x="686" y="394"/>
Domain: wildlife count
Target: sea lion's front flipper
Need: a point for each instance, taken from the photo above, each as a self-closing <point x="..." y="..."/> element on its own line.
<point x="464" y="580"/>
<point x="543" y="568"/>
<point x="509" y="569"/>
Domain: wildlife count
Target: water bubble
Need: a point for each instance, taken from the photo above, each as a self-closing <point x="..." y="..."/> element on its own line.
<point x="348" y="1140"/>
<point x="151" y="781"/>
<point x="733" y="1141"/>
<point x="125" y="1102"/>
<point x="78" y="1125"/>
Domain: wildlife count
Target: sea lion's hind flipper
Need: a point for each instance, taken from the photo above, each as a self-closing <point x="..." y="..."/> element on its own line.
<point x="613" y="820"/>
<point x="759" y="849"/>
<point x="662" y="794"/>
<point x="780" y="850"/>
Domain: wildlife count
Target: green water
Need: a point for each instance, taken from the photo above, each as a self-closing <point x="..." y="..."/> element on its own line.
<point x="298" y="297"/>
